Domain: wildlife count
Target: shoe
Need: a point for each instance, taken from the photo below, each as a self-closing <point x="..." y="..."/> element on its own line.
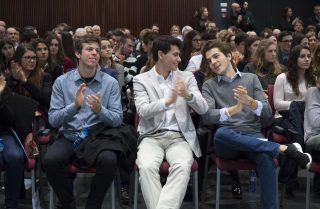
<point x="124" y="195"/>
<point x="294" y="151"/>
<point x="236" y="191"/>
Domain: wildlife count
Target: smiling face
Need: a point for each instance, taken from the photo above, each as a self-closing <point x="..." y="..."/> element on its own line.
<point x="127" y="47"/>
<point x="175" y="32"/>
<point x="89" y="55"/>
<point x="304" y="59"/>
<point x="218" y="62"/>
<point x="29" y="61"/>
<point x="171" y="59"/>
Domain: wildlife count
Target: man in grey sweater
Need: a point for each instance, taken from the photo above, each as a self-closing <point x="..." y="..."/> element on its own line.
<point x="237" y="105"/>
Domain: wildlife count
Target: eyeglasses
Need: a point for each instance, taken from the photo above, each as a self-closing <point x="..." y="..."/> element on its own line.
<point x="29" y="58"/>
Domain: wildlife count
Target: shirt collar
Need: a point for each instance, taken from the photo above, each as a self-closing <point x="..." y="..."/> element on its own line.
<point x="161" y="78"/>
<point x="230" y="80"/>
<point x="97" y="76"/>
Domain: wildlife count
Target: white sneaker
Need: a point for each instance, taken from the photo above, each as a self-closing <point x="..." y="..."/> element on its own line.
<point x="298" y="146"/>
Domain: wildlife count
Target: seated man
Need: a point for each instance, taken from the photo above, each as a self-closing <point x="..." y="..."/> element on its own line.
<point x="80" y="100"/>
<point x="163" y="98"/>
<point x="237" y="105"/>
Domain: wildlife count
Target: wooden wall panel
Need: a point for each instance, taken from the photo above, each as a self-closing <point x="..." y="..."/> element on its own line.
<point x="109" y="14"/>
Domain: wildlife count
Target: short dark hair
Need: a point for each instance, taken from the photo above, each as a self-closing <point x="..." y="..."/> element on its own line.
<point x="208" y="36"/>
<point x="163" y="43"/>
<point x="125" y="37"/>
<point x="240" y="37"/>
<point x="89" y="38"/>
<point x="283" y="34"/>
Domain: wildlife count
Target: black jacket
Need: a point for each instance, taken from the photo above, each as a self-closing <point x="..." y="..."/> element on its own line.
<point x="122" y="139"/>
<point x="16" y="112"/>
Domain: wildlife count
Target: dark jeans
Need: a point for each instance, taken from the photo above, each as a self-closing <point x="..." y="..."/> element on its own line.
<point x="59" y="155"/>
<point x="233" y="145"/>
<point x="13" y="159"/>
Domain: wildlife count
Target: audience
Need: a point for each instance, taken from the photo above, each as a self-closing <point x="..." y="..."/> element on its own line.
<point x="281" y="56"/>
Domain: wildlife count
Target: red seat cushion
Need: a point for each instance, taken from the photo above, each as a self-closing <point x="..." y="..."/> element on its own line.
<point x="279" y="138"/>
<point x="164" y="167"/>
<point x="74" y="169"/>
<point x="43" y="140"/>
<point x="30" y="164"/>
<point x="315" y="167"/>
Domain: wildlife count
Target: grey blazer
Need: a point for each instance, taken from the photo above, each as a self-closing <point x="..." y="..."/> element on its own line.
<point x="149" y="103"/>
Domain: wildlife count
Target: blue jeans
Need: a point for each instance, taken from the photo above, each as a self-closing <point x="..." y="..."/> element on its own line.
<point x="233" y="145"/>
<point x="13" y="159"/>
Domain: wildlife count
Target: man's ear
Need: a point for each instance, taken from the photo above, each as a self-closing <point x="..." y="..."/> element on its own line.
<point x="229" y="56"/>
<point x="78" y="54"/>
<point x="160" y="54"/>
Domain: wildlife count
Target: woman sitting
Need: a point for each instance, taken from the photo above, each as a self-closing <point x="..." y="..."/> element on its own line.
<point x="265" y="63"/>
<point x="293" y="85"/>
<point x="17" y="113"/>
<point x="28" y="79"/>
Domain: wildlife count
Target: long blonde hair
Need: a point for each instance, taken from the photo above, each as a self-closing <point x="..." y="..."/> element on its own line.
<point x="260" y="62"/>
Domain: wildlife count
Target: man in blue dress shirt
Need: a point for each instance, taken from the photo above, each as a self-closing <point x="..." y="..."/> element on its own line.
<point x="81" y="99"/>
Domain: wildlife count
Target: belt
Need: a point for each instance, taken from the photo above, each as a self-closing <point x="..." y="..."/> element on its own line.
<point x="164" y="130"/>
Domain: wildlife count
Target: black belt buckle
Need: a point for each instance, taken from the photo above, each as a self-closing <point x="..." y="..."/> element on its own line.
<point x="164" y="130"/>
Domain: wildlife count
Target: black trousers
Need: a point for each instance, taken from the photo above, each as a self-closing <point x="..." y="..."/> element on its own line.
<point x="59" y="155"/>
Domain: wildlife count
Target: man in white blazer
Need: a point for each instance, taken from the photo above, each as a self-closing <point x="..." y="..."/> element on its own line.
<point x="163" y="97"/>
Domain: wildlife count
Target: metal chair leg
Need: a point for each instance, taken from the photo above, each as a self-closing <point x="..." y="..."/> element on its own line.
<point x="33" y="182"/>
<point x="195" y="190"/>
<point x="136" y="185"/>
<point x="308" y="190"/>
<point x="205" y="173"/>
<point x="52" y="198"/>
<point x="113" y="196"/>
<point x="218" y="189"/>
<point x="277" y="188"/>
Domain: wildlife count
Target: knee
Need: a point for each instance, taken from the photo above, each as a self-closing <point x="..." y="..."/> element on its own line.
<point x="147" y="166"/>
<point x="182" y="169"/>
<point x="106" y="161"/>
<point x="49" y="162"/>
<point x="14" y="160"/>
<point x="221" y="134"/>
<point x="264" y="161"/>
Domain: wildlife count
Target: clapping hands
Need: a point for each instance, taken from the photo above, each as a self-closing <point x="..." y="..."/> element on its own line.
<point x="17" y="72"/>
<point x="93" y="101"/>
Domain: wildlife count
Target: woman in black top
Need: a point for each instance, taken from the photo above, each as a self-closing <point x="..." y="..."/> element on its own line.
<point x="200" y="18"/>
<point x="17" y="113"/>
<point x="28" y="79"/>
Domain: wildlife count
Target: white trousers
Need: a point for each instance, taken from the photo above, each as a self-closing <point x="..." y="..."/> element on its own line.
<point x="152" y="151"/>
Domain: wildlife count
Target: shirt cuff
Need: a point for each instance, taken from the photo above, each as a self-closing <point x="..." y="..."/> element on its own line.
<point x="166" y="107"/>
<point x="191" y="100"/>
<point x="259" y="108"/>
<point x="223" y="116"/>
